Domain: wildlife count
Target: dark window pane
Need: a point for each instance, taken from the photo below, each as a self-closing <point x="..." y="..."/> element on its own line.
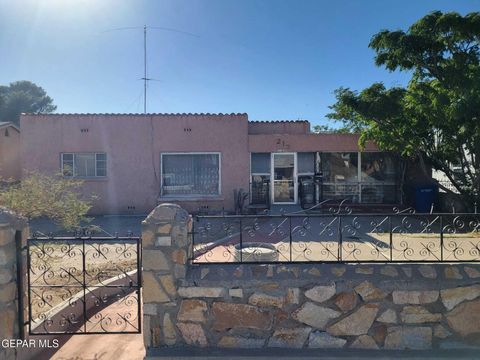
<point x="340" y="167"/>
<point x="260" y="163"/>
<point x="101" y="164"/>
<point x="67" y="164"/>
<point x="260" y="189"/>
<point x="101" y="171"/>
<point x="306" y="163"/>
<point x="378" y="167"/>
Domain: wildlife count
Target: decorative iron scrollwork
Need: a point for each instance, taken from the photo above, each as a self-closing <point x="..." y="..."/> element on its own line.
<point x="83" y="284"/>
<point x="340" y="236"/>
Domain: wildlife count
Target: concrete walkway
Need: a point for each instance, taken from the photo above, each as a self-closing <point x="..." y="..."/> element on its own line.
<point x="87" y="347"/>
<point x="102" y="347"/>
<point x="130" y="347"/>
<point x="93" y="346"/>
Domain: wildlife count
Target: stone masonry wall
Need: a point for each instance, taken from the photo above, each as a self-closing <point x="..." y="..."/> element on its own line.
<point x="9" y="327"/>
<point x="364" y="306"/>
<point x="164" y="259"/>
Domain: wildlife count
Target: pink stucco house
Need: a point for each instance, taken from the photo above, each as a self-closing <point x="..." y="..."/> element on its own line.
<point x="10" y="168"/>
<point x="133" y="162"/>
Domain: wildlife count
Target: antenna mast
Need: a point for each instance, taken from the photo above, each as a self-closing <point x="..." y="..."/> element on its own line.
<point x="145" y="79"/>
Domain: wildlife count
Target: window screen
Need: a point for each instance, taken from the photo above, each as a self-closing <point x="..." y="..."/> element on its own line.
<point x="306" y="163"/>
<point x="190" y="174"/>
<point x="378" y="166"/>
<point x="340" y="167"/>
<point x="260" y="163"/>
<point x="84" y="165"/>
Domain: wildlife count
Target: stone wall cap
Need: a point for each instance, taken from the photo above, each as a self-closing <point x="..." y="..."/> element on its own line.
<point x="166" y="212"/>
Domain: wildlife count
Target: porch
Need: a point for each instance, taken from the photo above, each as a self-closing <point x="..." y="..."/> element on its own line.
<point x="310" y="178"/>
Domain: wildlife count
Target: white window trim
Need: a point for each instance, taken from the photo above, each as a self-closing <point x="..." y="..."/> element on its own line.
<point x="183" y="196"/>
<point x="95" y="153"/>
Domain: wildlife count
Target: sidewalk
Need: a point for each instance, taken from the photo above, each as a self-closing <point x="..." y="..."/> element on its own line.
<point x="305" y="354"/>
<point x="102" y="347"/>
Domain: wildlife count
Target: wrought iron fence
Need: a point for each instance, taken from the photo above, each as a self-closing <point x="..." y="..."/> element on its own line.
<point x="337" y="236"/>
<point x="84" y="284"/>
<point x="260" y="193"/>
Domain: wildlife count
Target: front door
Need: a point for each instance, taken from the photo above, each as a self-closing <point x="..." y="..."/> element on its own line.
<point x="284" y="178"/>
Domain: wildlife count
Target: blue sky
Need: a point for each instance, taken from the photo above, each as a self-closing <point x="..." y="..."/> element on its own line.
<point x="274" y="59"/>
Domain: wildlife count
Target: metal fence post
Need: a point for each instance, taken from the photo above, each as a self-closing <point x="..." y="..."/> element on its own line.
<point x="290" y="235"/>
<point x="84" y="287"/>
<point x="20" y="284"/>
<point x="441" y="238"/>
<point x="241" y="242"/>
<point x="340" y="238"/>
<point x="193" y="239"/>
<point x="391" y="236"/>
<point x="29" y="288"/>
<point x="139" y="283"/>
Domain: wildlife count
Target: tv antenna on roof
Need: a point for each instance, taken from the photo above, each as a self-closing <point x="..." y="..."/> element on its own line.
<point x="145" y="78"/>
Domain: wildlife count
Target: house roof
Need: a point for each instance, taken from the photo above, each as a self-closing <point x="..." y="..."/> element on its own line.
<point x="139" y="114"/>
<point x="169" y="114"/>
<point x="278" y="121"/>
<point x="9" y="124"/>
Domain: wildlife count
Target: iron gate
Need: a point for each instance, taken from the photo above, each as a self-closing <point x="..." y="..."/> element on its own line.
<point x="84" y="285"/>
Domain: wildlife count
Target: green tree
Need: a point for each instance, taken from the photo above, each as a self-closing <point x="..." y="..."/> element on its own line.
<point x="54" y="197"/>
<point x="436" y="116"/>
<point x="317" y="129"/>
<point x="23" y="97"/>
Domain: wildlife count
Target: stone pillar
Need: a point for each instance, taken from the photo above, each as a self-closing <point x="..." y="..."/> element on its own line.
<point x="165" y="250"/>
<point x="11" y="228"/>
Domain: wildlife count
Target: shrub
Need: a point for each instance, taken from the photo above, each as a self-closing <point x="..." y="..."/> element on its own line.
<point x="55" y="197"/>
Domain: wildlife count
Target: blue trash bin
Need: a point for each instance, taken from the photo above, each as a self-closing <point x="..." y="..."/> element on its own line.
<point x="425" y="196"/>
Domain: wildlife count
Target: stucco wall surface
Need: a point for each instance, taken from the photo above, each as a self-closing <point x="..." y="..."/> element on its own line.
<point x="133" y="144"/>
<point x="306" y="143"/>
<point x="10" y="166"/>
